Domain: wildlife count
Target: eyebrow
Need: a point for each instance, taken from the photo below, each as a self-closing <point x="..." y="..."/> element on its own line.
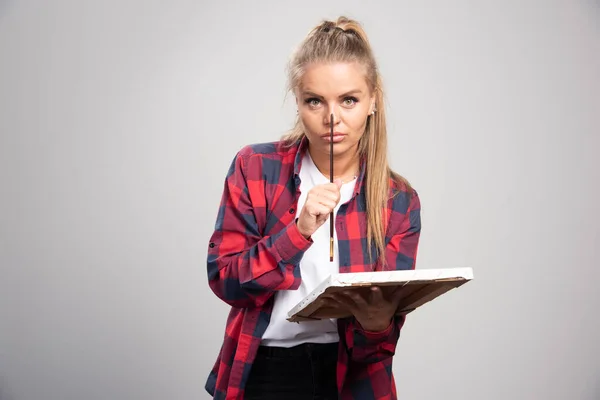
<point x="351" y="92"/>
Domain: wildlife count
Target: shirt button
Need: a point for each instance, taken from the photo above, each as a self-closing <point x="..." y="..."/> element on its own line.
<point x="292" y="210"/>
<point x="211" y="245"/>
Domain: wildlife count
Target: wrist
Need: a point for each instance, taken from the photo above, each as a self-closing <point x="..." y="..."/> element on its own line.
<point x="377" y="327"/>
<point x="302" y="232"/>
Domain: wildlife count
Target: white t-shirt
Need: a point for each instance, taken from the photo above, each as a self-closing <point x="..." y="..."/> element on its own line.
<point x="315" y="267"/>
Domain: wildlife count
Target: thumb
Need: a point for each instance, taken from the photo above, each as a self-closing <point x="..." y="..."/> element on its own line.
<point x="377" y="294"/>
<point x="338" y="182"/>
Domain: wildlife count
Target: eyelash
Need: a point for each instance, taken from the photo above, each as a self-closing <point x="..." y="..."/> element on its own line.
<point x="352" y="98"/>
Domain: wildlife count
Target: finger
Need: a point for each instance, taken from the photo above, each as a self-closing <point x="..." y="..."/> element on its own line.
<point x="333" y="188"/>
<point x="398" y="294"/>
<point x="328" y="302"/>
<point x="328" y="202"/>
<point x="322" y="206"/>
<point x="327" y="194"/>
<point x="337" y="307"/>
<point x="377" y="295"/>
<point x="325" y="198"/>
<point x="335" y="301"/>
<point x="345" y="301"/>
<point x="329" y="189"/>
<point x="317" y="209"/>
<point x="355" y="297"/>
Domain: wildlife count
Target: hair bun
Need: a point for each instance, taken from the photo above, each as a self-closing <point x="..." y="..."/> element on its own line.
<point x="328" y="26"/>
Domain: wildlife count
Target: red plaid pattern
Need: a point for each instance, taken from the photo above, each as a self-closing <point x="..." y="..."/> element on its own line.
<point x="256" y="249"/>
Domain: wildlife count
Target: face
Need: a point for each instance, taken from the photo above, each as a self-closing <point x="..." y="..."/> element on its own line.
<point x="341" y="89"/>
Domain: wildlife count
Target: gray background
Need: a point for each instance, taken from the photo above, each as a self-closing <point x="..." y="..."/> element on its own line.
<point x="118" y="121"/>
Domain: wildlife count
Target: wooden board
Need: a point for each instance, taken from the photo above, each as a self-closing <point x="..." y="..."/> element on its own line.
<point x="418" y="288"/>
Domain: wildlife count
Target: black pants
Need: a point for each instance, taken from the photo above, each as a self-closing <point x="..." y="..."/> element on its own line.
<point x="303" y="372"/>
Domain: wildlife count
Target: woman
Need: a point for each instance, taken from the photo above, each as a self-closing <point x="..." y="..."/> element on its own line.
<point x="271" y="243"/>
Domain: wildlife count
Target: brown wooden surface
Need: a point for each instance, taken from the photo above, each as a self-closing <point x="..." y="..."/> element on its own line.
<point x="415" y="294"/>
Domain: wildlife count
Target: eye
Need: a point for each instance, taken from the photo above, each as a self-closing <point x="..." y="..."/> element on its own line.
<point x="313" y="102"/>
<point x="350" y="101"/>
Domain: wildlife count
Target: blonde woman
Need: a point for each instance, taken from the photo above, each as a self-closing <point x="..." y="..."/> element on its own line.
<point x="271" y="244"/>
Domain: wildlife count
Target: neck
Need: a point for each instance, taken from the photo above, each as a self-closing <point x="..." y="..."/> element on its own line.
<point x="344" y="165"/>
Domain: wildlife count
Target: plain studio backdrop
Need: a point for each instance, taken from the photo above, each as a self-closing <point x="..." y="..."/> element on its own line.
<point x="118" y="122"/>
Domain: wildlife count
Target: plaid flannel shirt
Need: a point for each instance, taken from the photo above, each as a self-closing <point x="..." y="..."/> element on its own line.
<point x="256" y="249"/>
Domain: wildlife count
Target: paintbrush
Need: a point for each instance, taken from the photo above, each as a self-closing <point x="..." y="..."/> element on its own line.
<point x="331" y="180"/>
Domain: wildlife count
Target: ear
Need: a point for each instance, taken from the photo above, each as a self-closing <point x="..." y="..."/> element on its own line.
<point x="297" y="105"/>
<point x="373" y="106"/>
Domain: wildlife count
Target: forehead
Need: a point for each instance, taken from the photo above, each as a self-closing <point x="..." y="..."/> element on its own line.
<point x="334" y="78"/>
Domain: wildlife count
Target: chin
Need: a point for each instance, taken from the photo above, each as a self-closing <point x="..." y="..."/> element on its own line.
<point x="344" y="146"/>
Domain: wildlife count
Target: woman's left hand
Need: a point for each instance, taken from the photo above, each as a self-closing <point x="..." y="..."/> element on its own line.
<point x="372" y="310"/>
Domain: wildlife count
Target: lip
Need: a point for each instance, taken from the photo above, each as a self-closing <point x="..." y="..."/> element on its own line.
<point x="337" y="137"/>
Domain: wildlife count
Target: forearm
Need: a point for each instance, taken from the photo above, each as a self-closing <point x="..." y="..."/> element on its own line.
<point x="248" y="278"/>
<point x="367" y="346"/>
<point x="401" y="251"/>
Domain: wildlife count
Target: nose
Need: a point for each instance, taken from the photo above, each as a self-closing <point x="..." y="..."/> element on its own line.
<point x="331" y="118"/>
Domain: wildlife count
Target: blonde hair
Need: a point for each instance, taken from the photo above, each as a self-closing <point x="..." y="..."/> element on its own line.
<point x="344" y="40"/>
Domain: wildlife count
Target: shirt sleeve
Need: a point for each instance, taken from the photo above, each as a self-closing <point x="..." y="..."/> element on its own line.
<point x="401" y="253"/>
<point x="245" y="268"/>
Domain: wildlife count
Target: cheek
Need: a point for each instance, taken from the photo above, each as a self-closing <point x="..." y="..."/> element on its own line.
<point x="357" y="123"/>
<point x="311" y="123"/>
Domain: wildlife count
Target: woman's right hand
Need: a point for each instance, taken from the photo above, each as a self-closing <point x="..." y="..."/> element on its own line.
<point x="321" y="200"/>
